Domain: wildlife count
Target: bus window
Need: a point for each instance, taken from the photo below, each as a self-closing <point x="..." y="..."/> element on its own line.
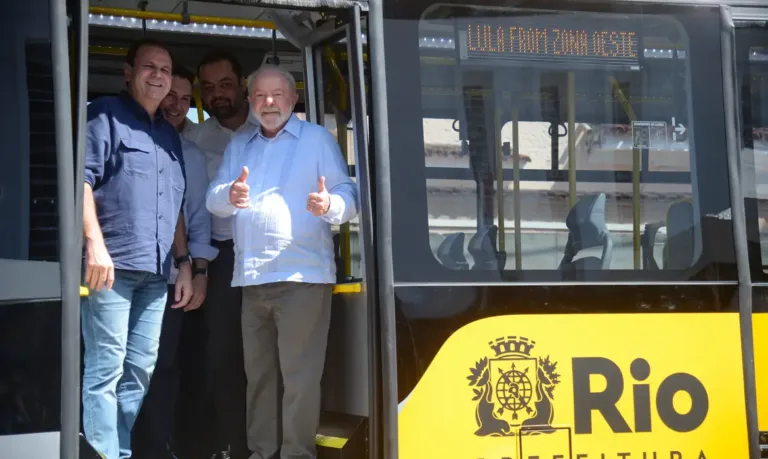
<point x="28" y="196"/>
<point x="556" y="145"/>
<point x="752" y="63"/>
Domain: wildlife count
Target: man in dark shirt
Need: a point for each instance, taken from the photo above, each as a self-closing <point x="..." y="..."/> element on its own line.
<point x="134" y="189"/>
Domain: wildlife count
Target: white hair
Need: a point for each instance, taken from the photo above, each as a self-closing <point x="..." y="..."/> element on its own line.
<point x="271" y="68"/>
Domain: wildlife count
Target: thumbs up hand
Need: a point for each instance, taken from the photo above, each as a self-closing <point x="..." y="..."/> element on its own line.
<point x="238" y="192"/>
<point x="318" y="203"/>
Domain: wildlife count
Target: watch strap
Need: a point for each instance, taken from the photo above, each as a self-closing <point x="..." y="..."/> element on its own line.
<point x="179" y="260"/>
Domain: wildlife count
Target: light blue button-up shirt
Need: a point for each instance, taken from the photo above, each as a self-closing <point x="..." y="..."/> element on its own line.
<point x="277" y="239"/>
<point x="196" y="217"/>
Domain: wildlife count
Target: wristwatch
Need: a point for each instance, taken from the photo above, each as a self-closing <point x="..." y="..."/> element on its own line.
<point x="197" y="270"/>
<point x="178" y="261"/>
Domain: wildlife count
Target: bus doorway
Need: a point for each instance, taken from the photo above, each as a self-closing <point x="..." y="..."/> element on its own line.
<point x="327" y="61"/>
<point x="323" y="48"/>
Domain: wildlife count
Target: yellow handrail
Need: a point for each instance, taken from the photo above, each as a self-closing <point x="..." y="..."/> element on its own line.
<point x="344" y="229"/>
<point x="636" y="165"/>
<point x="138" y="14"/>
<point x="197" y="96"/>
<point x="331" y="59"/>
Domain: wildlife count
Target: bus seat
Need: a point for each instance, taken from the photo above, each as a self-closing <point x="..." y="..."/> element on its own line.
<point x="647" y="241"/>
<point x="587" y="229"/>
<point x="451" y="252"/>
<point x="482" y="247"/>
<point x="679" y="248"/>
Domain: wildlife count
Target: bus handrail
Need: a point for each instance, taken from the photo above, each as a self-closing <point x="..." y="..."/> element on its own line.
<point x="738" y="219"/>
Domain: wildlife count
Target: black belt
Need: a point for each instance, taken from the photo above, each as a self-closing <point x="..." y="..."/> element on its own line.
<point x="229" y="243"/>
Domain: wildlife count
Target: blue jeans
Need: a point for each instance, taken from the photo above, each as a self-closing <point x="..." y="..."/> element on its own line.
<point x="121" y="331"/>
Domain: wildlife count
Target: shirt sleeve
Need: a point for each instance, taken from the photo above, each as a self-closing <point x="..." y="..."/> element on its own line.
<point x="197" y="216"/>
<point x="342" y="189"/>
<point x="98" y="142"/>
<point x="217" y="198"/>
<point x="183" y="161"/>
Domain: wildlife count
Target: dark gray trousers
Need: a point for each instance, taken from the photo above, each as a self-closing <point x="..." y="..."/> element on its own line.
<point x="226" y="375"/>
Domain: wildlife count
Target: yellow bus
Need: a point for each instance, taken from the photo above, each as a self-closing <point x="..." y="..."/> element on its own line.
<point x="578" y="267"/>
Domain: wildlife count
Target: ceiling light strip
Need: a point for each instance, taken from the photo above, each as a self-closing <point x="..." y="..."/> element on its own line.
<point x="175" y="26"/>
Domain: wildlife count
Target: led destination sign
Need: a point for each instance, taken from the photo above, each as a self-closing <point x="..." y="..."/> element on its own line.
<point x="547" y="39"/>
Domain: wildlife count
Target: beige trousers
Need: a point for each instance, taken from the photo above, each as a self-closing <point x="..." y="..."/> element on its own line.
<point x="285" y="334"/>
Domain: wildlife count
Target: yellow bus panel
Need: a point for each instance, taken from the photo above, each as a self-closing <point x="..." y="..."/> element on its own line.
<point x="760" y="337"/>
<point x="650" y="386"/>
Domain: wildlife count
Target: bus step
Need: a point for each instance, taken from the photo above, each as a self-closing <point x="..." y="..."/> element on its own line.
<point x="764" y="444"/>
<point x="342" y="436"/>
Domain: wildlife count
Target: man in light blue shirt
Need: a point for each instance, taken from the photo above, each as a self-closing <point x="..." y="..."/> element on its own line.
<point x="155" y="424"/>
<point x="285" y="182"/>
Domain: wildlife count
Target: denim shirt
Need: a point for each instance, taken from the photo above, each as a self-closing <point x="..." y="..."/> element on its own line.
<point x="135" y="166"/>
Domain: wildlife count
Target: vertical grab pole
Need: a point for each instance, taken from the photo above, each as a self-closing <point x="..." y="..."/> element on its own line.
<point x="382" y="367"/>
<point x="571" y="138"/>
<point x="636" y="207"/>
<point x="383" y="214"/>
<point x="344" y="230"/>
<point x="636" y="165"/>
<point x="310" y="95"/>
<point x="499" y="181"/>
<point x="69" y="247"/>
<point x="516" y="178"/>
<point x="197" y="94"/>
<point x="738" y="215"/>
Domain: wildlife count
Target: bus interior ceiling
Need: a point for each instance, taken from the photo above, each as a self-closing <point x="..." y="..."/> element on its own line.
<point x="115" y="24"/>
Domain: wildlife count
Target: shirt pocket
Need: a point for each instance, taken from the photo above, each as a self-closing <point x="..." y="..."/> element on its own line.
<point x="137" y="157"/>
<point x="178" y="179"/>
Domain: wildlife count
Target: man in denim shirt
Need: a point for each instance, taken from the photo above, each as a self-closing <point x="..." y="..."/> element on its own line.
<point x="134" y="189"/>
<point x="154" y="429"/>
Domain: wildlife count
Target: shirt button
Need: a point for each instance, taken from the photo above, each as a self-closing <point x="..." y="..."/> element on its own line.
<point x="161" y="193"/>
<point x="160" y="217"/>
<point x="161" y="170"/>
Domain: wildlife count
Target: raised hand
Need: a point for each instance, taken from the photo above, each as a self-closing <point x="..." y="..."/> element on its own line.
<point x="318" y="203"/>
<point x="238" y="192"/>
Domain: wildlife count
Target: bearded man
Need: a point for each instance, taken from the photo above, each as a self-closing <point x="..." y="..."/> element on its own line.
<point x="223" y="91"/>
<point x="284" y="183"/>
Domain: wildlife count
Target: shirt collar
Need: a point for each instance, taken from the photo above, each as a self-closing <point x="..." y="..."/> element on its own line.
<point x="214" y="124"/>
<point x="293" y="127"/>
<point x="132" y="104"/>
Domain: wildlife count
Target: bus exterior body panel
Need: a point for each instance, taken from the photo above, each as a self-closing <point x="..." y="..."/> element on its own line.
<point x="565" y="262"/>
